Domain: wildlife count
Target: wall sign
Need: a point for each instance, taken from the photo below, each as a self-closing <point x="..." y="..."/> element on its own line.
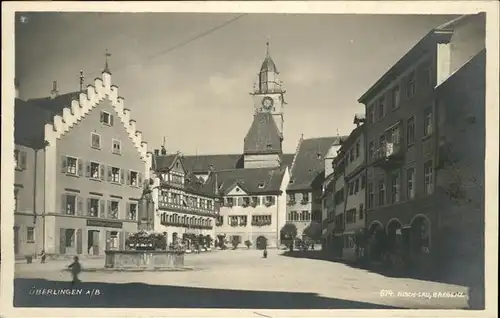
<point x="101" y="223"/>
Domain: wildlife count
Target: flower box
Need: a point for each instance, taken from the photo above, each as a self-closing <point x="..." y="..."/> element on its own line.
<point x="268" y="204"/>
<point x="304" y="202"/>
<point x="253" y="204"/>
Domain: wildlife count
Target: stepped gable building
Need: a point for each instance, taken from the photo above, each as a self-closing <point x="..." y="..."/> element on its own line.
<point x="307" y="174"/>
<point x="185" y="204"/>
<point x="250" y="186"/>
<point x="80" y="166"/>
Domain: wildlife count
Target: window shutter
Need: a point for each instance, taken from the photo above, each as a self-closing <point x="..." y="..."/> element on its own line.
<point x="121" y="238"/>
<point x="63" y="204"/>
<point x="122" y="176"/>
<point x="108" y="237"/>
<point x="109" y="208"/>
<point x="80" y="167"/>
<point x="62" y="241"/>
<point x="129" y="181"/>
<point x="87" y="173"/>
<point x="79" y="241"/>
<point x="102" y="210"/>
<point x="111" y="120"/>
<point x="22" y="155"/>
<point x="102" y="117"/>
<point x="88" y="206"/>
<point x="128" y="212"/>
<point x="79" y="208"/>
<point x="64" y="164"/>
<point x="139" y="179"/>
<point x="110" y="174"/>
<point x="101" y="166"/>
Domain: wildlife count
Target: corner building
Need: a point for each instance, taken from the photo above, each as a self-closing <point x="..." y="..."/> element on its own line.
<point x="91" y="164"/>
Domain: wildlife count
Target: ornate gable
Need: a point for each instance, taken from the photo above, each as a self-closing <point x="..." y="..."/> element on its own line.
<point x="87" y="100"/>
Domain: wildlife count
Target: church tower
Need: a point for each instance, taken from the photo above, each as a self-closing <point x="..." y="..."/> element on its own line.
<point x="268" y="92"/>
<point x="263" y="142"/>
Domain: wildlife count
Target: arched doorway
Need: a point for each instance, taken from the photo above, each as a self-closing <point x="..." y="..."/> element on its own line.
<point x="376" y="241"/>
<point x="394" y="235"/>
<point x="261" y="242"/>
<point x="420" y="235"/>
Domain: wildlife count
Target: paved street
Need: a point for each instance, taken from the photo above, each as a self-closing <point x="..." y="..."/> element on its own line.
<point x="232" y="279"/>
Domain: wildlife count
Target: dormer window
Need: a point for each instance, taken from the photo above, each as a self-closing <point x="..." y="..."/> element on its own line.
<point x="291" y="181"/>
<point x="261" y="185"/>
<point x="319" y="156"/>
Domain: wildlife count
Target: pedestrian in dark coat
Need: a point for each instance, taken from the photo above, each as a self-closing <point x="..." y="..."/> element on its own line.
<point x="76" y="268"/>
<point x="43" y="256"/>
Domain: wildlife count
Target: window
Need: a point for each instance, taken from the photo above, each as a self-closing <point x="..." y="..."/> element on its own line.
<point x="117" y="146"/>
<point x="352" y="154"/>
<point x="305" y="216"/>
<point x="358" y="148"/>
<point x="410" y="86"/>
<point x="30" y="234"/>
<point x="229" y="201"/>
<point x="209" y="205"/>
<point x="93" y="207"/>
<point x="371" y="150"/>
<point x="356" y="186"/>
<point x="371" y="195"/>
<point x="70" y="204"/>
<point x="427" y="73"/>
<point x="70" y="237"/>
<point x="113" y="209"/>
<point x="363" y="182"/>
<point x="381" y="107"/>
<point x="270" y="200"/>
<point x="381" y="192"/>
<point x="106" y="118"/>
<point x="70" y="165"/>
<point x="382" y="142"/>
<point x="361" y="211"/>
<point x="305" y="197"/>
<point x="396" y="97"/>
<point x="246" y="201"/>
<point x="429" y="177"/>
<point x="20" y="159"/>
<point x="351" y="188"/>
<point x="371" y="113"/>
<point x="95" y="141"/>
<point x="410" y="131"/>
<point x="395" y="193"/>
<point x="134" y="178"/>
<point x="132" y="212"/>
<point x="114" y="174"/>
<point x="16" y="198"/>
<point x="95" y="170"/>
<point x="410" y="183"/>
<point x="428" y="121"/>
<point x="395" y="135"/>
<point x="293" y="216"/>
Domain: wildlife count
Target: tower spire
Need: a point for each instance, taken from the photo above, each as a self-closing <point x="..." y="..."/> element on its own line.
<point x="106" y="66"/>
<point x="81" y="80"/>
<point x="267" y="46"/>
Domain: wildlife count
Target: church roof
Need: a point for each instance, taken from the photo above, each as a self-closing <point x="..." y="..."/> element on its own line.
<point x="309" y="162"/>
<point x="56" y="105"/>
<point x="205" y="163"/>
<point x="263" y="137"/>
<point x="255" y="181"/>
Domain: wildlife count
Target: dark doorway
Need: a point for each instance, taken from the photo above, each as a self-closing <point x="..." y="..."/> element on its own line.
<point x="261" y="242"/>
<point x="93" y="242"/>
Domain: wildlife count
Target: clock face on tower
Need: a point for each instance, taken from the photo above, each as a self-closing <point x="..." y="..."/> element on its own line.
<point x="267" y="103"/>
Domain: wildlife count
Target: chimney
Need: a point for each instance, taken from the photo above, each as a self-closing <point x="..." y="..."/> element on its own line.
<point x="16" y="86"/>
<point x="163" y="151"/>
<point x="54" y="93"/>
<point x="157" y="152"/>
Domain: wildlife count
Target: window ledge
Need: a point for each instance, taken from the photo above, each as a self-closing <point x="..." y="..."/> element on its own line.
<point x="31" y="242"/>
<point x="69" y="174"/>
<point x="115" y="183"/>
<point x="94" y="179"/>
<point x="426" y="137"/>
<point x="19" y="169"/>
<point x="117" y="153"/>
<point x="96" y="148"/>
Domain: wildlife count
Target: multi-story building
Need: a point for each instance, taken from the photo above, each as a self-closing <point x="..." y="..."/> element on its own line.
<point x="307" y="174"/>
<point x="353" y="153"/>
<point x="250" y="187"/>
<point x="80" y="168"/>
<point x="403" y="197"/>
<point x="327" y="198"/>
<point x="184" y="204"/>
<point x="339" y="198"/>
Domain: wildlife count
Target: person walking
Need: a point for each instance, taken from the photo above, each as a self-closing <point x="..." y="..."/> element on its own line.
<point x="43" y="256"/>
<point x="76" y="268"/>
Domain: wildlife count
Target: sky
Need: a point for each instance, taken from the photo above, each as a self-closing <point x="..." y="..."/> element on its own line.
<point x="197" y="95"/>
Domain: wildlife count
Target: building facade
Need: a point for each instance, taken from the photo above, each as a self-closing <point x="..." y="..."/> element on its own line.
<point x="403" y="199"/>
<point x="307" y="174"/>
<point x="183" y="203"/>
<point x="79" y="183"/>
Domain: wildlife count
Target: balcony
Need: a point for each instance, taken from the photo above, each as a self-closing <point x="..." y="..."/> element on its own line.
<point x="178" y="207"/>
<point x="388" y="156"/>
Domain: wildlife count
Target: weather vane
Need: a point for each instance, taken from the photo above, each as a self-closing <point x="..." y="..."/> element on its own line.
<point x="106" y="66"/>
<point x="82" y="78"/>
